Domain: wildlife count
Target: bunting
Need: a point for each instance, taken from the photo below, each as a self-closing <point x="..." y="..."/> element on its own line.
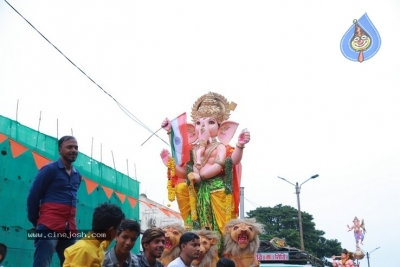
<point x="166" y="212"/>
<point x="176" y="215"/>
<point x="132" y="201"/>
<point x="108" y="191"/>
<point x="2" y="138"/>
<point x="40" y="161"/>
<point x="147" y="204"/>
<point x="90" y="185"/>
<point x="120" y="196"/>
<point x="16" y="148"/>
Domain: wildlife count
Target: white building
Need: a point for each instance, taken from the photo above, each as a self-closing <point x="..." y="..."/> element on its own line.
<point x="153" y="214"/>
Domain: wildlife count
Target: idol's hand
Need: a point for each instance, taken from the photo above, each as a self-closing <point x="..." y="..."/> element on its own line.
<point x="166" y="125"/>
<point x="244" y="137"/>
<point x="165" y="155"/>
<point x="194" y="177"/>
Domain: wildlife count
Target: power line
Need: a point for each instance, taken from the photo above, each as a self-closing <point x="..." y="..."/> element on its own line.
<point x="253" y="203"/>
<point x="126" y="111"/>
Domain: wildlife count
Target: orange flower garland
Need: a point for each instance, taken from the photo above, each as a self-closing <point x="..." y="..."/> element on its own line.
<point x="170" y="174"/>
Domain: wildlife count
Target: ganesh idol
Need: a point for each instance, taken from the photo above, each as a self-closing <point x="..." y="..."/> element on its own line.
<point x="207" y="187"/>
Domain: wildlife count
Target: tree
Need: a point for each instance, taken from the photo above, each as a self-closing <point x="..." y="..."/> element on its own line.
<point x="282" y="222"/>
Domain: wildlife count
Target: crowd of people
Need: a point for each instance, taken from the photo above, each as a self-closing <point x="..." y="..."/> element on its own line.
<point x="51" y="207"/>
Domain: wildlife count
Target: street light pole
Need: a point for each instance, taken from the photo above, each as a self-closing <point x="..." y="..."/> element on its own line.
<point x="297" y="187"/>
<point x="299" y="215"/>
<point x="368" y="258"/>
<point x="368" y="253"/>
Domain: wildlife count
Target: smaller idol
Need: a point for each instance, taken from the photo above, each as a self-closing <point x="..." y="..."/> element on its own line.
<point x="359" y="230"/>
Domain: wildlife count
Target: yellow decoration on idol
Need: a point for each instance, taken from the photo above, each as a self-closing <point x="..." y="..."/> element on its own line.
<point x="192" y="197"/>
<point x="171" y="174"/>
<point x="171" y="166"/>
<point x="229" y="207"/>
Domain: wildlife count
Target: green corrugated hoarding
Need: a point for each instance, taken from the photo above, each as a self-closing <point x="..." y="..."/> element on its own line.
<point x="24" y="150"/>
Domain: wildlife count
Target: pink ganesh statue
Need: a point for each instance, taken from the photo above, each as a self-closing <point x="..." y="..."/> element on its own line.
<point x="359" y="230"/>
<point x="207" y="188"/>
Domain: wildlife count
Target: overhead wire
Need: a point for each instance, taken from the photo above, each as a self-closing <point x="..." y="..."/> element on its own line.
<point x="253" y="203"/>
<point x="125" y="110"/>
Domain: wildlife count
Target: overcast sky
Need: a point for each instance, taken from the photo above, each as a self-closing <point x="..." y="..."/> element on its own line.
<point x="309" y="109"/>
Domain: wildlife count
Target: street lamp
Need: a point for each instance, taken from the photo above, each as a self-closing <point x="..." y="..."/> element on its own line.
<point x="368" y="253"/>
<point x="298" y="205"/>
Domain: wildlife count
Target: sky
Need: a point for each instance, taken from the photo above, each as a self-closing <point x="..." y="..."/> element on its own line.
<point x="309" y="109"/>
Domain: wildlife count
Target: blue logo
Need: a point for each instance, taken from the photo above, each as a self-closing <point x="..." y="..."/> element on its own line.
<point x="361" y="41"/>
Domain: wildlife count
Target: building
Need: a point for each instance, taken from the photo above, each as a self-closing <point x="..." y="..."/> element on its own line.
<point x="153" y="214"/>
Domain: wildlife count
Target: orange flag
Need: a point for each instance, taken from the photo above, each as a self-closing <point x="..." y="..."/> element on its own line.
<point x="40" y="161"/>
<point x="108" y="191"/>
<point x="176" y="215"/>
<point x="90" y="185"/>
<point x="16" y="148"/>
<point x="166" y="212"/>
<point x="120" y="196"/>
<point x="2" y="138"/>
<point x="148" y="204"/>
<point x="132" y="201"/>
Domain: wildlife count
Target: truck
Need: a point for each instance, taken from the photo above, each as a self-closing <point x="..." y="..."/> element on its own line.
<point x="270" y="255"/>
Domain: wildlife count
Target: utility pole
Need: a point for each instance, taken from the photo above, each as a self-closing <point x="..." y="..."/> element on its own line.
<point x="368" y="253"/>
<point x="299" y="215"/>
<point x="298" y="187"/>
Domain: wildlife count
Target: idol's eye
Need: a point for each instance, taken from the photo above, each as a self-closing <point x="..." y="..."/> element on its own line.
<point x="197" y="122"/>
<point x="356" y="39"/>
<point x="363" y="37"/>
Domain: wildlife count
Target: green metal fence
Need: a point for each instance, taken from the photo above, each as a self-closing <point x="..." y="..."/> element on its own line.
<point x="22" y="151"/>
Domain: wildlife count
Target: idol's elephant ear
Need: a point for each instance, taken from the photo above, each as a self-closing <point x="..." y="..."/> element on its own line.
<point x="192" y="135"/>
<point x="226" y="131"/>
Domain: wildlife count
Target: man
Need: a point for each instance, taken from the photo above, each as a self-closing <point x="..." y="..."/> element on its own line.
<point x="153" y="243"/>
<point x="189" y="244"/>
<point x="51" y="204"/>
<point x="3" y="253"/>
<point x="89" y="251"/>
<point x="121" y="254"/>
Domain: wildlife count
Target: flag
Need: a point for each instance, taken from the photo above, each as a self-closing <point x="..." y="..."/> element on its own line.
<point x="179" y="140"/>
